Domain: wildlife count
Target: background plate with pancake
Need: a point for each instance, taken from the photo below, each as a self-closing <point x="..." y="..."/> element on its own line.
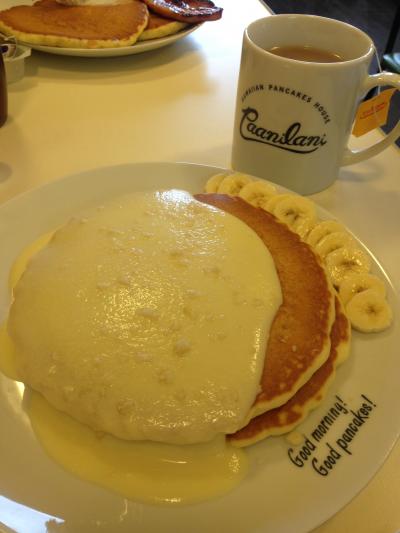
<point x="139" y="47"/>
<point x="277" y="495"/>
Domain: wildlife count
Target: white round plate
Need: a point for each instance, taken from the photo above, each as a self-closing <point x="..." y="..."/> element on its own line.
<point x="137" y="48"/>
<point x="277" y="496"/>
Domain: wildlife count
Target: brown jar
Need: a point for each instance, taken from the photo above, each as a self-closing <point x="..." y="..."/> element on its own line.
<point x="3" y="91"/>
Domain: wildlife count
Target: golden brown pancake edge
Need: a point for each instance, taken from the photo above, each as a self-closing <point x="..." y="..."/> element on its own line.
<point x="158" y="27"/>
<point x="286" y="417"/>
<point x="299" y="341"/>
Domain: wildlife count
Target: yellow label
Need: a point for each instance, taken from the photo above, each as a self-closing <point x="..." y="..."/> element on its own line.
<point x="372" y="113"/>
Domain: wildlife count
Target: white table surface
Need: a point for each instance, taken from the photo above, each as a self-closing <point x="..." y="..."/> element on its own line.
<point x="176" y="104"/>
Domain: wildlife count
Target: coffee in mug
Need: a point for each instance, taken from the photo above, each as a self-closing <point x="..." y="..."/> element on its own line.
<point x="306" y="53"/>
<point x="300" y="82"/>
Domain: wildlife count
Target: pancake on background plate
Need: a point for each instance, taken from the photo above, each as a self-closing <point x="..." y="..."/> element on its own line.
<point x="102" y="23"/>
<point x="49" y="23"/>
<point x="158" y="27"/>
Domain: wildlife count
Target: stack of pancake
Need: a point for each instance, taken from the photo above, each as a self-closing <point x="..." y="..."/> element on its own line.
<point x="101" y="25"/>
<point x="310" y="335"/>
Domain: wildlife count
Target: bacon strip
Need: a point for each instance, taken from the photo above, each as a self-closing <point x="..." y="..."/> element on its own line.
<point x="186" y="10"/>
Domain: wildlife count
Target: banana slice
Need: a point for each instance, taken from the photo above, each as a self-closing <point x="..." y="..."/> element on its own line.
<point x="345" y="261"/>
<point x="357" y="283"/>
<point x="296" y="212"/>
<point x="214" y="182"/>
<point x="274" y="201"/>
<point x="303" y="227"/>
<point x="368" y="312"/>
<point x="233" y="184"/>
<point x="257" y="193"/>
<point x="334" y="241"/>
<point x="322" y="229"/>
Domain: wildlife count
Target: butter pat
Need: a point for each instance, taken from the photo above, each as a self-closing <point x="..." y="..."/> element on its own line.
<point x="165" y="345"/>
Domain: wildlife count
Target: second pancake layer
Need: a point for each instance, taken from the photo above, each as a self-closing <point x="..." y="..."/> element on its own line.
<point x="299" y="341"/>
<point x="52" y="24"/>
<point x="158" y="27"/>
<point x="286" y="417"/>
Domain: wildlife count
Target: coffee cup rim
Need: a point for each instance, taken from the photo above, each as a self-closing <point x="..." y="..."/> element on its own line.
<point x="370" y="47"/>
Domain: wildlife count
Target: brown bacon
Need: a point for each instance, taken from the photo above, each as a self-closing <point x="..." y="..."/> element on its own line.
<point x="186" y="10"/>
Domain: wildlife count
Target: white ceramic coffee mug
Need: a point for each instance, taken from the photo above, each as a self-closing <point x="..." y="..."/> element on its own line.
<point x="293" y="118"/>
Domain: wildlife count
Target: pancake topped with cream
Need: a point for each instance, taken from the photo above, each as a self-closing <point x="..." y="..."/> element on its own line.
<point x="148" y="318"/>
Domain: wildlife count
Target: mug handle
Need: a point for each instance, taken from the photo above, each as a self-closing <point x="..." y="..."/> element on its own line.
<point x="355" y="156"/>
